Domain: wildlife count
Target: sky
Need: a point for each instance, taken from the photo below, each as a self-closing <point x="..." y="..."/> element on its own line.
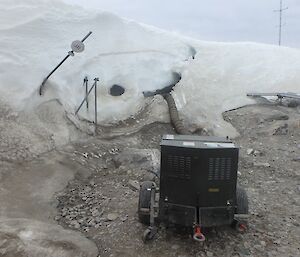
<point x="212" y="20"/>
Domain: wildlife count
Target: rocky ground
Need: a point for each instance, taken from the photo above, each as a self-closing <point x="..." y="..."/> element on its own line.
<point x="82" y="196"/>
<point x="101" y="202"/>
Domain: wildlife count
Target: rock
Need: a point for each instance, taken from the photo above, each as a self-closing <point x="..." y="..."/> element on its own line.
<point x="244" y="252"/>
<point x="209" y="254"/>
<point x="75" y="224"/>
<point x="95" y="213"/>
<point x="175" y="247"/>
<point x="147" y="158"/>
<point x="25" y="237"/>
<point x="278" y="242"/>
<point x="292" y="103"/>
<point x="276" y="116"/>
<point x="250" y="151"/>
<point x="281" y="130"/>
<point x="262" y="164"/>
<point x="263" y="243"/>
<point x="297" y="159"/>
<point x="85" y="155"/>
<point x="112" y="216"/>
<point x="257" y="153"/>
<point x="149" y="176"/>
<point x="133" y="184"/>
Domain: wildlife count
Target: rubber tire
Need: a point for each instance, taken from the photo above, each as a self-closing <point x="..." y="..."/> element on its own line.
<point x="144" y="201"/>
<point x="241" y="201"/>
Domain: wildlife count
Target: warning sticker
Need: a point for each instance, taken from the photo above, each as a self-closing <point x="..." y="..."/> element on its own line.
<point x="216" y="145"/>
<point x="170" y="137"/>
<point x="188" y="143"/>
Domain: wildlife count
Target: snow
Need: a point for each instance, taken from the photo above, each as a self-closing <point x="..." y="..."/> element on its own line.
<point x="36" y="34"/>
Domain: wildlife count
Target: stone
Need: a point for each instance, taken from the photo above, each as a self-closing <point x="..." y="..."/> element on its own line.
<point x="276" y="116"/>
<point x="209" y="254"/>
<point x="95" y="213"/>
<point x="75" y="224"/>
<point x="112" y="216"/>
<point x="134" y="185"/>
<point x="262" y="164"/>
<point x="257" y="153"/>
<point x="263" y="243"/>
<point x="175" y="247"/>
<point x="250" y="151"/>
<point x="277" y="242"/>
<point x="85" y="155"/>
<point x="244" y="252"/>
<point x="124" y="218"/>
<point x="281" y="130"/>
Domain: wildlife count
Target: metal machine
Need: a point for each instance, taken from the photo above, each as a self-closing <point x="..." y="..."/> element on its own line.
<point x="197" y="186"/>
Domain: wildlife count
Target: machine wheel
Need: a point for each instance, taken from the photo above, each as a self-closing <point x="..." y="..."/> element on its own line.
<point x="149" y="234"/>
<point x="144" y="202"/>
<point x="242" y="201"/>
<point x="241" y="224"/>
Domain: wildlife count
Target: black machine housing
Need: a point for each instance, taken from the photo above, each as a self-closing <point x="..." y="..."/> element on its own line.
<point x="198" y="179"/>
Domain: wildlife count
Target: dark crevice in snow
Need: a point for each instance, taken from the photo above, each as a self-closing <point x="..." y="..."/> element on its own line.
<point x="165" y="90"/>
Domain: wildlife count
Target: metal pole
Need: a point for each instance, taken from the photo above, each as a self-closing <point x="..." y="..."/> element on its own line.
<point x="70" y="53"/>
<point x="96" y="109"/>
<point x="84" y="99"/>
<point x="280" y="21"/>
<point x="88" y="34"/>
<point x="86" y="91"/>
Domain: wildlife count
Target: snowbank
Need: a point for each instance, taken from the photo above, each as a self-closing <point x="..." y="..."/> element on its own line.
<point x="35" y="35"/>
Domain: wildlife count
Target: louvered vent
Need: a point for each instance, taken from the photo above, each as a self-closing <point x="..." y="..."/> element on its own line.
<point x="179" y="166"/>
<point x="219" y="169"/>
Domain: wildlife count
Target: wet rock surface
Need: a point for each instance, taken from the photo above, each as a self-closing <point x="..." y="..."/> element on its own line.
<point x="25" y="237"/>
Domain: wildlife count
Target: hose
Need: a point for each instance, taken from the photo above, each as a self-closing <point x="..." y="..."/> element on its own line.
<point x="175" y="120"/>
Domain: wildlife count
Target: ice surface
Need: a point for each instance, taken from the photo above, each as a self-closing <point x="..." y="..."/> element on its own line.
<point x="35" y="35"/>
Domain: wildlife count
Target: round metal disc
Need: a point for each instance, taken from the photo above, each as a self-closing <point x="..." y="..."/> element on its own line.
<point x="77" y="46"/>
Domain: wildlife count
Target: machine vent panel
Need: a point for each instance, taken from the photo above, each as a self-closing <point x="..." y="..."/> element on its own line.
<point x="219" y="168"/>
<point x="179" y="166"/>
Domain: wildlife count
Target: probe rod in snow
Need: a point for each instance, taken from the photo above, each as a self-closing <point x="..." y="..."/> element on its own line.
<point x="96" y="109"/>
<point x="71" y="53"/>
<point x="88" y="34"/>
<point x="85" y="99"/>
<point x="85" y="83"/>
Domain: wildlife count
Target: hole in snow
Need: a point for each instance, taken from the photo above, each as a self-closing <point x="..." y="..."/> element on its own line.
<point x="117" y="90"/>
